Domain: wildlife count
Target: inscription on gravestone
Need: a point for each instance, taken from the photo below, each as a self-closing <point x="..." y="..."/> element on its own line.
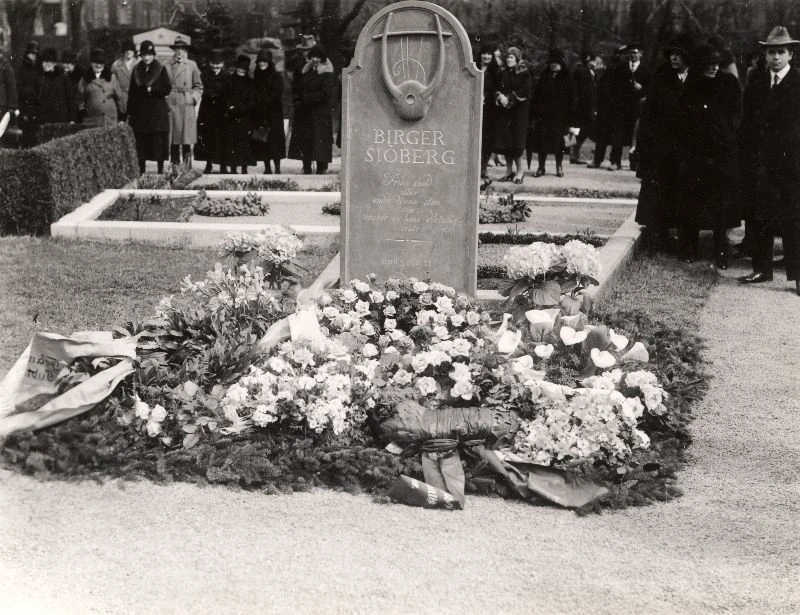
<point x="411" y="149"/>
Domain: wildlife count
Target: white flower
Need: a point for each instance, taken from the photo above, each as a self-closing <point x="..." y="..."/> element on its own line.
<point x="367" y="328"/>
<point x="401" y="377"/>
<point x="420" y="287"/>
<point x="509" y="341"/>
<point x="619" y="341"/>
<point x="473" y="318"/>
<point x="419" y="362"/>
<point x="349" y="296"/>
<point x="456" y="320"/>
<point x="397" y="335"/>
<point x="376" y="296"/>
<point x="530" y="261"/>
<point x="425" y="317"/>
<point x="522" y="363"/>
<point x="637" y="353"/>
<point x="362" y="307"/>
<point x="462" y="389"/>
<point x="369" y="350"/>
<point x="543" y="351"/>
<point x="158" y="413"/>
<point x="391" y="295"/>
<point x="641" y="439"/>
<point x="461" y="347"/>
<point x="581" y="258"/>
<point x="461" y="372"/>
<point x="602" y="358"/>
<point x="437" y="357"/>
<point x="441" y="332"/>
<point x="277" y="365"/>
<point x="342" y="322"/>
<point x="153" y="428"/>
<point x="652" y="396"/>
<point x="632" y="408"/>
<point x="330" y="311"/>
<point x="570" y="336"/>
<point x="361" y="287"/>
<point x="444" y="304"/>
<point x="389" y="310"/>
<point x="427" y="385"/>
<point x="142" y="409"/>
<point x="390" y="324"/>
<point x="640" y="378"/>
<point x="542" y="317"/>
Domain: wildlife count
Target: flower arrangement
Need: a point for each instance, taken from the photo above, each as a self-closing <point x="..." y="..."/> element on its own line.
<point x="274" y="250"/>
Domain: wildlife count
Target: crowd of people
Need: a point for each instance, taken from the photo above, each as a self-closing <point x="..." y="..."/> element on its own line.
<point x="230" y="116"/>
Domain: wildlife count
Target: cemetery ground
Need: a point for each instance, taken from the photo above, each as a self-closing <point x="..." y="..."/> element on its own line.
<point x="728" y="544"/>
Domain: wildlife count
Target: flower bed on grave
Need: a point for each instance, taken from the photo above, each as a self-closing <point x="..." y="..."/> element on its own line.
<point x="546" y="395"/>
<point x="157" y="208"/>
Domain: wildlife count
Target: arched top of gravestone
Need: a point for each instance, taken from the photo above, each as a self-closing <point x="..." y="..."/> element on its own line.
<point x="451" y="27"/>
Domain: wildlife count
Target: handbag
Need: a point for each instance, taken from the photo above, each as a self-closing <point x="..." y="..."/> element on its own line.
<point x="260" y="133"/>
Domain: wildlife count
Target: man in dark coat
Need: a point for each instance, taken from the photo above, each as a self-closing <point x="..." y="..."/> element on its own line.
<point x="584" y="79"/>
<point x="8" y="85"/>
<point x="148" y="111"/>
<point x="29" y="83"/>
<point x="552" y="111"/>
<point x="770" y="147"/>
<point x="211" y="116"/>
<point x="55" y="102"/>
<point x="314" y="97"/>
<point x="628" y="82"/>
<point x="269" y="112"/>
<point x="240" y="100"/>
<point x="74" y="74"/>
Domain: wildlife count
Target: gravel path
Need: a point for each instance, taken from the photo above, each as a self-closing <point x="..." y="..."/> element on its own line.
<point x="729" y="545"/>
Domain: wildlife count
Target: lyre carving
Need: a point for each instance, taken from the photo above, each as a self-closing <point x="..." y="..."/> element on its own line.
<point x="411" y="98"/>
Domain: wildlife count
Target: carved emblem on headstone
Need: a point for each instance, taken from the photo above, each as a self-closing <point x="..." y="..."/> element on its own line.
<point x="411" y="98"/>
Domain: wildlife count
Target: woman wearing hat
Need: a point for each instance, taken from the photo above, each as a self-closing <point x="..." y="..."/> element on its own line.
<point x="486" y="62"/>
<point x="512" y="100"/>
<point x="269" y="112"/>
<point x="708" y="193"/>
<point x="148" y="111"/>
<point x="240" y="101"/>
<point x="660" y="147"/>
<point x="121" y="69"/>
<point x="56" y="104"/>
<point x="29" y="83"/>
<point x="552" y="111"/>
<point x="314" y="98"/>
<point x="99" y="91"/>
<point x="187" y="90"/>
<point x="211" y="116"/>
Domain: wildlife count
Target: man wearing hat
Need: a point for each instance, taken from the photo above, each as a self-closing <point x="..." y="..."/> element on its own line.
<point x="121" y="69"/>
<point x="584" y="77"/>
<point x="628" y="82"/>
<point x="770" y="149"/>
<point x="187" y="90"/>
<point x="29" y="82"/>
<point x="148" y="111"/>
<point x="211" y="116"/>
<point x="99" y="91"/>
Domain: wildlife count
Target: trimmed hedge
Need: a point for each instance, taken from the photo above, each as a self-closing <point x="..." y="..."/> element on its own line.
<point x="41" y="184"/>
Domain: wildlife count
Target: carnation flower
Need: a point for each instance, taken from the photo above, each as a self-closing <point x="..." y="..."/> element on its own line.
<point x="376" y="296"/>
<point x="362" y="308"/>
<point x="330" y="311"/>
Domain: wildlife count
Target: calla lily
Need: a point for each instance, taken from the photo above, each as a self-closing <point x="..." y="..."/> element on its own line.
<point x="508" y="342"/>
<point x="619" y="341"/>
<point x="523" y="363"/>
<point x="570" y="336"/>
<point x="503" y="327"/>
<point x="543" y="351"/>
<point x="553" y="391"/>
<point x="541" y="317"/>
<point x="637" y="353"/>
<point x="602" y="358"/>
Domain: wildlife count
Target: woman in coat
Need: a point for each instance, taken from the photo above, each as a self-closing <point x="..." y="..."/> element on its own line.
<point x="709" y="177"/>
<point x="148" y="111"/>
<point x="269" y="112"/>
<point x="659" y="144"/>
<point x="121" y="69"/>
<point x="240" y="101"/>
<point x="552" y="111"/>
<point x="314" y="97"/>
<point x="487" y="64"/>
<point x="55" y="103"/>
<point x="512" y="99"/>
<point x="29" y="83"/>
<point x="211" y="116"/>
<point x="99" y="92"/>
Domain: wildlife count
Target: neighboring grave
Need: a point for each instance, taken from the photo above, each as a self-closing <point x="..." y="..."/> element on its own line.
<point x="411" y="149"/>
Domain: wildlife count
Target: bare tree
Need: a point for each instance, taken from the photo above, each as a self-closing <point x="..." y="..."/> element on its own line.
<point x="20" y="15"/>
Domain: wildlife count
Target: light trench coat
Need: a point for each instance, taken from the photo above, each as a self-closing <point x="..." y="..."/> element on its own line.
<point x="187" y="90"/>
<point x="123" y="74"/>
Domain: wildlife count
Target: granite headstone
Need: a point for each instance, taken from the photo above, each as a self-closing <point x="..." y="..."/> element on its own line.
<point x="412" y="100"/>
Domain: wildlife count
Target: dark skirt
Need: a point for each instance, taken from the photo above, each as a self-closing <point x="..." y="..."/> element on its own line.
<point x="152" y="145"/>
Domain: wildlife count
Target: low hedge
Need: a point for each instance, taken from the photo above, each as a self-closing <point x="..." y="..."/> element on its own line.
<point x="41" y="184"/>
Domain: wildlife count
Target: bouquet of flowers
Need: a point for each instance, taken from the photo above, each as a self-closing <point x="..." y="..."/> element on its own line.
<point x="273" y="249"/>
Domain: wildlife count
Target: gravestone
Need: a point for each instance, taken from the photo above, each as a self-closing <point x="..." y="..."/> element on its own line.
<point x="411" y="143"/>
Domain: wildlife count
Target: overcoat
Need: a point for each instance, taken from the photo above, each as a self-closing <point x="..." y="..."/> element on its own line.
<point x="240" y="101"/>
<point x="585" y="86"/>
<point x="312" y="129"/>
<point x="187" y="90"/>
<point x="8" y="87"/>
<point x="148" y="111"/>
<point x="211" y="117"/>
<point x="29" y="82"/>
<point x="625" y="98"/>
<point x="552" y="111"/>
<point x="269" y="113"/>
<point x="659" y="147"/>
<point x="770" y="147"/>
<point x="122" y="72"/>
<point x="489" y="127"/>
<point x="709" y="189"/>
<point x="56" y="104"/>
<point x="100" y="97"/>
<point x="512" y="121"/>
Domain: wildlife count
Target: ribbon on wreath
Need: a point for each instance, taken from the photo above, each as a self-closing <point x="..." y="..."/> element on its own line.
<point x="438" y="436"/>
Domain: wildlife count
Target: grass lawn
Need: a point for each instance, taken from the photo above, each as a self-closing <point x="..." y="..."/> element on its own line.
<point x="64" y="286"/>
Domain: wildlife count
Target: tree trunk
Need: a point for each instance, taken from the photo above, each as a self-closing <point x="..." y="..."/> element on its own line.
<point x="75" y="22"/>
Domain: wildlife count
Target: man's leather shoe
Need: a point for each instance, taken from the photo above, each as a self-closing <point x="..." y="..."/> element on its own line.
<point x="756" y="278"/>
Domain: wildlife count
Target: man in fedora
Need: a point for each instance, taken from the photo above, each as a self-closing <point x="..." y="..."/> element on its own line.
<point x="187" y="89"/>
<point x="770" y="150"/>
